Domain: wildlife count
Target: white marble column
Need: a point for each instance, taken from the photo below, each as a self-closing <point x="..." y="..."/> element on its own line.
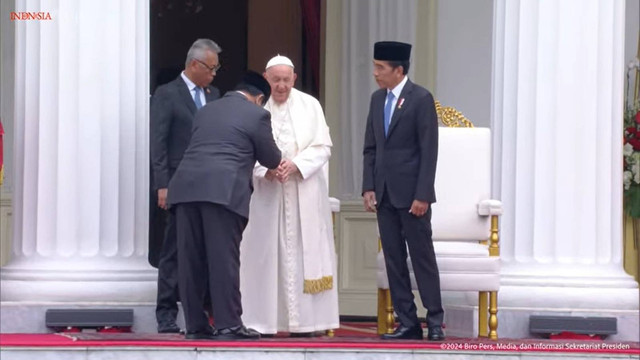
<point x="557" y="127"/>
<point x="81" y="160"/>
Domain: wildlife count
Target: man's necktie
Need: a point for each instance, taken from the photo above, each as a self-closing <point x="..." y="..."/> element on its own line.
<point x="387" y="112"/>
<point x="197" y="97"/>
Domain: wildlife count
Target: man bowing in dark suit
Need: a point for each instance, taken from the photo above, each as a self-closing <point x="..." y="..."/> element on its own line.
<point x="173" y="107"/>
<point x="400" y="154"/>
<point x="211" y="190"/>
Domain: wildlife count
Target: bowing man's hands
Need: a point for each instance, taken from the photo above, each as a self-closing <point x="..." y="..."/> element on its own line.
<point x="271" y="175"/>
<point x="283" y="172"/>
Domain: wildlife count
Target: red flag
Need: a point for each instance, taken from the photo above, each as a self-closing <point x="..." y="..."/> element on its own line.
<point x="1" y="160"/>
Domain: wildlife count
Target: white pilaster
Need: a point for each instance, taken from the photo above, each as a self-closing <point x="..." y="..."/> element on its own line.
<point x="81" y="159"/>
<point x="352" y="29"/>
<point x="365" y="22"/>
<point x="557" y="120"/>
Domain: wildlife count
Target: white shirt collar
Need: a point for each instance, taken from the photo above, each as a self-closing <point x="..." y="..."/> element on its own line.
<point x="243" y="94"/>
<point x="398" y="89"/>
<point x="189" y="83"/>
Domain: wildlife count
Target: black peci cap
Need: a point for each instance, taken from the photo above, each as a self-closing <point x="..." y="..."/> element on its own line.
<point x="256" y="80"/>
<point x="391" y="51"/>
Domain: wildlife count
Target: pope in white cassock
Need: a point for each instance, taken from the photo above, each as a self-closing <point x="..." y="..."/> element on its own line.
<point x="288" y="262"/>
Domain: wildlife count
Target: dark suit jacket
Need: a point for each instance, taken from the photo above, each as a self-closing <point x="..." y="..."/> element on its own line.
<point x="403" y="163"/>
<point x="172" y="113"/>
<point x="229" y="136"/>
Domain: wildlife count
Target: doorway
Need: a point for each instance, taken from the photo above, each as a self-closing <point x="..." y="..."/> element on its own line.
<point x="249" y="32"/>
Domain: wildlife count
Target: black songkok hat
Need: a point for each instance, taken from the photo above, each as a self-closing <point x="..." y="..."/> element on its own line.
<point x="256" y="80"/>
<point x="391" y="51"/>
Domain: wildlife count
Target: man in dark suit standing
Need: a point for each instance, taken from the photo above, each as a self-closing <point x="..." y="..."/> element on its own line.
<point x="173" y="107"/>
<point x="400" y="154"/>
<point x="211" y="190"/>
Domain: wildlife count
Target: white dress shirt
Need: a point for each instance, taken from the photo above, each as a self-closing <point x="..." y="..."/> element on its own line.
<point x="396" y="95"/>
<point x="192" y="89"/>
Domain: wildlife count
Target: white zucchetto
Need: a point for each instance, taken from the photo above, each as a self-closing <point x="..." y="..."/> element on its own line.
<point x="279" y="60"/>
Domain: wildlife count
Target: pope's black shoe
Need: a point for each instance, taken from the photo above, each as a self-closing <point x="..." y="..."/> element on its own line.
<point x="239" y="332"/>
<point x="435" y="334"/>
<point x="302" y="334"/>
<point x="404" y="333"/>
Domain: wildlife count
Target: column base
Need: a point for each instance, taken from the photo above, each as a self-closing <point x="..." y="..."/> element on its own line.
<point x="79" y="291"/>
<point x="95" y="280"/>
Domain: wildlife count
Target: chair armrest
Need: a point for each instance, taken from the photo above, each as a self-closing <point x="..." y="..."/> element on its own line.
<point x="334" y="204"/>
<point x="490" y="207"/>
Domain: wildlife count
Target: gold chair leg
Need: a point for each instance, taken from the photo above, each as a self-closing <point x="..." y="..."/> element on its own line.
<point x="483" y="312"/>
<point x="382" y="316"/>
<point x="391" y="320"/>
<point x="385" y="312"/>
<point x="493" y="317"/>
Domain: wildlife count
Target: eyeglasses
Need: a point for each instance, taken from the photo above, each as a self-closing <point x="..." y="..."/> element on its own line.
<point x="213" y="69"/>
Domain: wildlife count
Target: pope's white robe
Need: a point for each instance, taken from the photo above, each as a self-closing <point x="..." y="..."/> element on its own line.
<point x="289" y="237"/>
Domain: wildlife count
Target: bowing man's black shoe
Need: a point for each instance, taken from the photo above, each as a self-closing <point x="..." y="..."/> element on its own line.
<point x="435" y="334"/>
<point x="404" y="333"/>
<point x="200" y="335"/>
<point x="168" y="328"/>
<point x="239" y="332"/>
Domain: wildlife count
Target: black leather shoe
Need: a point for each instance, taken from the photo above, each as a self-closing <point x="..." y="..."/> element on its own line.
<point x="404" y="333"/>
<point x="199" y="336"/>
<point x="236" y="333"/>
<point x="207" y="334"/>
<point x="168" y="328"/>
<point x="302" y="334"/>
<point x="435" y="334"/>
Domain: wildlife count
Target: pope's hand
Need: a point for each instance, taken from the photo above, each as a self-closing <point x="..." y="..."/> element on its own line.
<point x="286" y="169"/>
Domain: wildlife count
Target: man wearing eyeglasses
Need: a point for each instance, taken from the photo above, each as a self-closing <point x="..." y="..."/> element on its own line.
<point x="173" y="108"/>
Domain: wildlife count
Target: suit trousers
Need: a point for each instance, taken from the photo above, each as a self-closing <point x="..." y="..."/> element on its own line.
<point x="399" y="229"/>
<point x="167" y="298"/>
<point x="209" y="238"/>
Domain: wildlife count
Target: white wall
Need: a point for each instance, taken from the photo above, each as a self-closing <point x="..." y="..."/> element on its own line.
<point x="465" y="30"/>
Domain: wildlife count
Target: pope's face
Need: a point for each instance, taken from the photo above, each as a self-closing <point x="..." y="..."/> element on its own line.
<point x="281" y="78"/>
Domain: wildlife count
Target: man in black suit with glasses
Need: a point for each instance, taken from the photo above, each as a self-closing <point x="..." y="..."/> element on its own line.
<point x="173" y="107"/>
